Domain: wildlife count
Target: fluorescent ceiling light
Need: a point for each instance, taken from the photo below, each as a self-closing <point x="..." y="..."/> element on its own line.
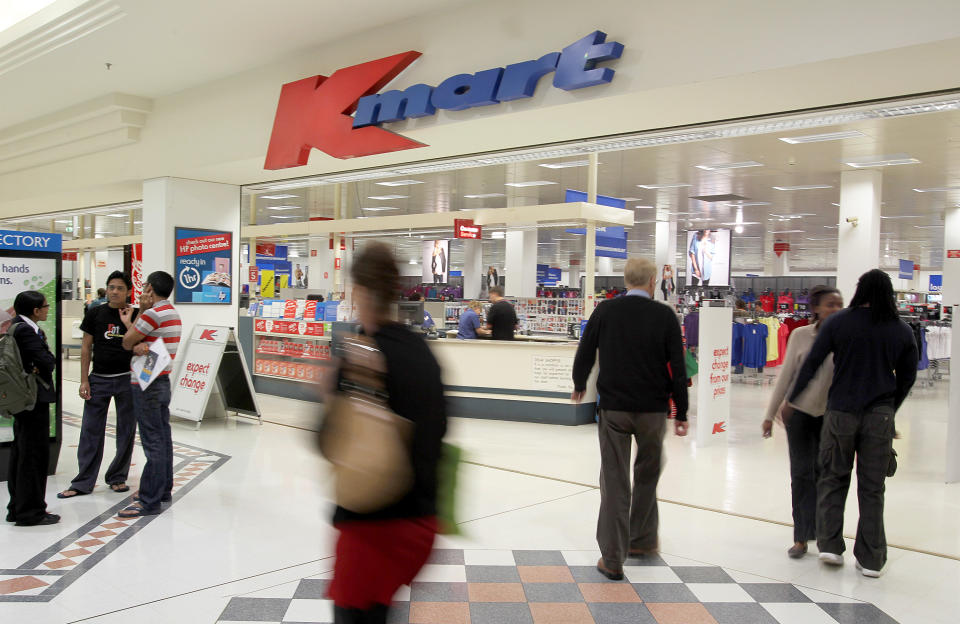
<point x="399" y="182"/>
<point x="803" y="187"/>
<point x="282" y="217"/>
<point x="937" y="189"/>
<point x="117" y="215"/>
<point x="903" y="217"/>
<point x="530" y="183"/>
<point x="548" y="243"/>
<point x="378" y="208"/>
<point x="64" y="221"/>
<point x="736" y="165"/>
<point x="832" y="227"/>
<point x="744" y="223"/>
<point x="888" y="160"/>
<point x="498" y="234"/>
<point x="280" y="196"/>
<point x="741" y="204"/>
<point x="484" y="195"/>
<point x="827" y="136"/>
<point x="283" y="207"/>
<point x="786" y="216"/>
<point x="632" y="199"/>
<point x="663" y="186"/>
<point x="927" y="227"/>
<point x="567" y="164"/>
<point x="386" y="197"/>
<point x="788" y="232"/>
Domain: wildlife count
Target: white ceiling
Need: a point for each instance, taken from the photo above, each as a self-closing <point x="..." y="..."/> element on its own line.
<point x="164" y="47"/>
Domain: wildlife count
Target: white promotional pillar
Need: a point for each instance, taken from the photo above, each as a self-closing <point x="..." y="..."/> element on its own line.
<point x="174" y="202"/>
<point x="951" y="297"/>
<point x="713" y="377"/>
<point x="320" y="264"/>
<point x="520" y="265"/>
<point x="473" y="272"/>
<point x="858" y="245"/>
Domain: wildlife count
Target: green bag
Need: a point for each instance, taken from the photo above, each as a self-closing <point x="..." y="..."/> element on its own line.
<point x="450" y="458"/>
<point x="691" y="362"/>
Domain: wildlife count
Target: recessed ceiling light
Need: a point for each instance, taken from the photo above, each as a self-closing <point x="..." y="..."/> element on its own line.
<point x="399" y="182"/>
<point x="378" y="208"/>
<point x="285" y="196"/>
<point x="888" y="160"/>
<point x="803" y="187"/>
<point x="484" y="195"/>
<point x="735" y="165"/>
<point x="564" y="165"/>
<point x="903" y="217"/>
<point x="663" y="186"/>
<point x="741" y="204"/>
<point x="530" y="183"/>
<point x="283" y="207"/>
<point x="826" y="136"/>
<point x="937" y="189"/>
<point x="385" y="197"/>
<point x="282" y="217"/>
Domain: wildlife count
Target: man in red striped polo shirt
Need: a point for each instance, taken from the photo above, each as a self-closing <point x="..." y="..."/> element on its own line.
<point x="158" y="320"/>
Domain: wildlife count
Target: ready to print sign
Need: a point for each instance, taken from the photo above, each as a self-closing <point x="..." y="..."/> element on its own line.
<point x="936" y="283"/>
<point x="202" y="262"/>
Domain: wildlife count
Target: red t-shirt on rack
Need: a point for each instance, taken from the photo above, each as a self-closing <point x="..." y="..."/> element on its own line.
<point x="768" y="302"/>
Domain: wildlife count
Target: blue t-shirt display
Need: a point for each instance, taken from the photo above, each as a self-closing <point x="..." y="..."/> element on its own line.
<point x="469" y="323"/>
<point x="755" y="345"/>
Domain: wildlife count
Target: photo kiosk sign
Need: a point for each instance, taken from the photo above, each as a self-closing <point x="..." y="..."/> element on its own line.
<point x="32" y="261"/>
<point x="212" y="358"/>
<point x="203" y="266"/>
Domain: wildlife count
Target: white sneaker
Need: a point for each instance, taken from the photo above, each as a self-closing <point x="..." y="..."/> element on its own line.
<point x="869" y="573"/>
<point x="831" y="558"/>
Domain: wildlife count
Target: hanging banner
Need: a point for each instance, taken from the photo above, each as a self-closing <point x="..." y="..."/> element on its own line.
<point x="906" y="269"/>
<point x="936" y="283"/>
<point x="465" y="228"/>
<point x="202" y="260"/>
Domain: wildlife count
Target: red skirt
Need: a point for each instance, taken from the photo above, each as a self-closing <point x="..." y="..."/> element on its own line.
<point x="374" y="558"/>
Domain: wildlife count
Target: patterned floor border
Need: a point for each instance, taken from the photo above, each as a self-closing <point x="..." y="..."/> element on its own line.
<point x="553" y="587"/>
<point x="45" y="575"/>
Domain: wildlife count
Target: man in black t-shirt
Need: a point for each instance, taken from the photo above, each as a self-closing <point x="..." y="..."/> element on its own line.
<point x="501" y="318"/>
<point x="103" y="344"/>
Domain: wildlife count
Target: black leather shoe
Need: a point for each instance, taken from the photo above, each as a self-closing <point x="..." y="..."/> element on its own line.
<point x="46" y="519"/>
<point x="11" y="518"/>
<point x="613" y="575"/>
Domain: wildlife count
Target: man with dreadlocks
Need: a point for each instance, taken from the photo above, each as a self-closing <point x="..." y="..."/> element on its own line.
<point x="875" y="365"/>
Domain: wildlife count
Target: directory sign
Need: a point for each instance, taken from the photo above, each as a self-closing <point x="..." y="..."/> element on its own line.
<point x="202" y="265"/>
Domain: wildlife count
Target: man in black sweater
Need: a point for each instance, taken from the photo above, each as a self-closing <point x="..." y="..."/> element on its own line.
<point x="874" y="367"/>
<point x="641" y="368"/>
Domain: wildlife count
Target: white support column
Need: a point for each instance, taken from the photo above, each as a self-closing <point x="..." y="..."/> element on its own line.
<point x="320" y="266"/>
<point x="473" y="272"/>
<point x="573" y="280"/>
<point x="859" y="239"/>
<point x="172" y="202"/>
<point x="520" y="266"/>
<point x="951" y="297"/>
<point x="590" y="259"/>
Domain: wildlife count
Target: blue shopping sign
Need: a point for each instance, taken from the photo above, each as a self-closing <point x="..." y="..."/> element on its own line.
<point x="30" y="241"/>
<point x="936" y="283"/>
<point x="906" y="269"/>
<point x="611" y="241"/>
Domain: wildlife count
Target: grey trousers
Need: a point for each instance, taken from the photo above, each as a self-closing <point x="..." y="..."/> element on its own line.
<point x="93" y="432"/>
<point x="629" y="518"/>
<point x="868" y="435"/>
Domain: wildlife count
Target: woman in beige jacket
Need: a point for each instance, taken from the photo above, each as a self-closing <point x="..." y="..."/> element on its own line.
<point x="803" y="418"/>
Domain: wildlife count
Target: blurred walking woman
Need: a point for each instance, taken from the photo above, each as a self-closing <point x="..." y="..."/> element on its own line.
<point x="803" y="417"/>
<point x="380" y="551"/>
<point x="30" y="451"/>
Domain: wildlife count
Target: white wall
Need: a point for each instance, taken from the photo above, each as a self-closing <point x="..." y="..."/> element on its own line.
<point x="764" y="62"/>
<point x="172" y="202"/>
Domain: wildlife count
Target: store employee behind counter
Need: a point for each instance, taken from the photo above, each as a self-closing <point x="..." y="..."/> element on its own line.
<point x="502" y="318"/>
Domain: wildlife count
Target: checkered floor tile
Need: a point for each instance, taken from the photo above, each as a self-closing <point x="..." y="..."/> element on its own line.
<point x="564" y="587"/>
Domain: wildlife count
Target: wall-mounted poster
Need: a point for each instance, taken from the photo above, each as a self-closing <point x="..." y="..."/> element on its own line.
<point x="708" y="258"/>
<point x="436" y="261"/>
<point x="202" y="265"/>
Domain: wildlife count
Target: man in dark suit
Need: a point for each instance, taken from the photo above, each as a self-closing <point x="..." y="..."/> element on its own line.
<point x="30" y="452"/>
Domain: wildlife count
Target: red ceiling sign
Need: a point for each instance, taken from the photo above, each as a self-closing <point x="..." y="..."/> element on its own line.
<point x="779" y="248"/>
<point x="464" y="228"/>
<point x="266" y="249"/>
<point x="69" y="256"/>
<point x="953" y="253"/>
<point x="254" y="275"/>
<point x="313" y="253"/>
<point x="916" y="267"/>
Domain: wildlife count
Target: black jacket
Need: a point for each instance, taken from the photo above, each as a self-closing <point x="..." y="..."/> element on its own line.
<point x="416" y="393"/>
<point x="641" y="356"/>
<point x="34" y="353"/>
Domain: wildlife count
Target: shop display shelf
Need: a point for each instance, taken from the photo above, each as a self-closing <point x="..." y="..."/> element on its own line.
<point x="291" y="355"/>
<point x="298" y="336"/>
<point x="304" y="381"/>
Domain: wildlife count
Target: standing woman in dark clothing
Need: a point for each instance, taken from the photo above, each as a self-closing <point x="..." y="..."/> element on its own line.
<point x="380" y="551"/>
<point x="30" y="452"/>
<point x="804" y="425"/>
<point x="875" y="365"/>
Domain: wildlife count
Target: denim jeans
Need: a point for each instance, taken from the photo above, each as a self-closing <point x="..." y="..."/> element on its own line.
<point x="803" y="440"/>
<point x="153" y="416"/>
<point x="868" y="436"/>
<point x="93" y="432"/>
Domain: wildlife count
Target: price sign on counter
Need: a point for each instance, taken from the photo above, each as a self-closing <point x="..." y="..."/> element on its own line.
<point x="553" y="373"/>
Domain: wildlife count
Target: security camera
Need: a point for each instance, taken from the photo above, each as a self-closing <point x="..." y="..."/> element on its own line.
<point x="854" y="221"/>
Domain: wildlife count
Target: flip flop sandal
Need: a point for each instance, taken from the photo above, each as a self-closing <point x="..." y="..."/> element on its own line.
<point x="64" y="494"/>
<point x="135" y="511"/>
<point x="119" y="487"/>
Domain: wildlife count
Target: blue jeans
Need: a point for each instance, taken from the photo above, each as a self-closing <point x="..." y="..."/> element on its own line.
<point x="153" y="416"/>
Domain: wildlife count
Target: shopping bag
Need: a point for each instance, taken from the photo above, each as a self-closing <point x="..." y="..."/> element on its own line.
<point x="447" y="471"/>
<point x="691" y="364"/>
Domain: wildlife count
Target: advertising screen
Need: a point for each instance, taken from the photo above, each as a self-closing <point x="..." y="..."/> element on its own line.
<point x="436" y="261"/>
<point x="708" y="257"/>
<point x="202" y="264"/>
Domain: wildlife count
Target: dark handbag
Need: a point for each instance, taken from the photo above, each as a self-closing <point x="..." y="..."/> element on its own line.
<point x="892" y="466"/>
<point x="367" y="443"/>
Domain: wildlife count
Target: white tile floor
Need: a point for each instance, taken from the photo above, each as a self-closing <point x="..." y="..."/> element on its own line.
<point x="260" y="523"/>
